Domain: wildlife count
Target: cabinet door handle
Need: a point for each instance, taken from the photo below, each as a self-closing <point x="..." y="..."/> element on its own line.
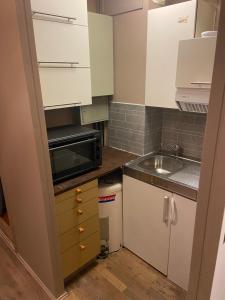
<point x="81" y="229"/>
<point x="38" y="15"/>
<point x="79" y="200"/>
<point x="78" y="191"/>
<point x="80" y="211"/>
<point x="82" y="247"/>
<point x="172" y="213"/>
<point x="166" y="209"/>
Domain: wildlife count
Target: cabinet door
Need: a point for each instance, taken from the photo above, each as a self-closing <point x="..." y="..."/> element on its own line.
<point x="59" y="42"/>
<point x="181" y="240"/>
<point x="166" y="27"/>
<point x="195" y="62"/>
<point x="74" y="9"/>
<point x="101" y="54"/>
<point x="146" y="232"/>
<point x="65" y="86"/>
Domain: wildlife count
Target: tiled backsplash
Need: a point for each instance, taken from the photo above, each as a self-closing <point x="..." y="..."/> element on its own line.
<point x="139" y="129"/>
<point x="185" y="129"/>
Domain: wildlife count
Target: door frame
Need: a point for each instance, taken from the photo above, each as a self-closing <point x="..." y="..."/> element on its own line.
<point x="211" y="197"/>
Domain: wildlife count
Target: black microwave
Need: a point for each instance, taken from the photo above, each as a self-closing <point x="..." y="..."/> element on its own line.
<point x="73" y="151"/>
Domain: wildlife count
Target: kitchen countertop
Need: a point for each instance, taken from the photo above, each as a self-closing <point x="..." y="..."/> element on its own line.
<point x="112" y="159"/>
<point x="184" y="182"/>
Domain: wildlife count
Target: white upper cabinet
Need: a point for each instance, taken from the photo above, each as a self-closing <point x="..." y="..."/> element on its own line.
<point x="101" y="54"/>
<point x="166" y="27"/>
<point x="195" y="63"/>
<point x="72" y="11"/>
<point x="65" y="86"/>
<point x="59" y="42"/>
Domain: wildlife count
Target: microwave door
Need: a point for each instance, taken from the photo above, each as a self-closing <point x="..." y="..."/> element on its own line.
<point x="71" y="159"/>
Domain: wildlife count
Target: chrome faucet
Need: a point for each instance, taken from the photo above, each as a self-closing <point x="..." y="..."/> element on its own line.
<point x="174" y="149"/>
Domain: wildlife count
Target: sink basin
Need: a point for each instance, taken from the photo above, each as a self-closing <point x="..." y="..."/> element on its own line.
<point x="161" y="164"/>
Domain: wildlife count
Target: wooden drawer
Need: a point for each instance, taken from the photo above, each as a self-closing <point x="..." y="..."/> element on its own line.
<point x="87" y="186"/>
<point x="86" y="196"/>
<point x="64" y="196"/>
<point x="79" y="233"/>
<point x="80" y="254"/>
<point x="73" y="217"/>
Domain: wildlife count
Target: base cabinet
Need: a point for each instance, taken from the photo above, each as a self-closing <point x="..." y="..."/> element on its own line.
<point x="159" y="228"/>
<point x="78" y="226"/>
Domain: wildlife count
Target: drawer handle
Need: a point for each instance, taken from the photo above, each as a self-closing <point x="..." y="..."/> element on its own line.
<point x="78" y="191"/>
<point x="80" y="211"/>
<point x="79" y="200"/>
<point x="82" y="247"/>
<point x="81" y="229"/>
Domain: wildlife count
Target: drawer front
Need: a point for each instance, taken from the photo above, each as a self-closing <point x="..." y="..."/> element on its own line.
<point x="74" y="9"/>
<point x="86" y="211"/>
<point x="68" y="43"/>
<point x="79" y="233"/>
<point x="89" y="248"/>
<point x="61" y="197"/>
<point x="73" y="217"/>
<point x="82" y="198"/>
<point x="87" y="186"/>
<point x="65" y="86"/>
<point x="80" y="254"/>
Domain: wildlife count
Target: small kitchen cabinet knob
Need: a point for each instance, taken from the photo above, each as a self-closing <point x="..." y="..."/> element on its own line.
<point x="80" y="211"/>
<point x="78" y="191"/>
<point x="81" y="229"/>
<point x="79" y="200"/>
<point x="82" y="247"/>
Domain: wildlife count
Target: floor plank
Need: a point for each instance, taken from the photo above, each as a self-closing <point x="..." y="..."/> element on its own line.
<point x="123" y="276"/>
<point x="15" y="281"/>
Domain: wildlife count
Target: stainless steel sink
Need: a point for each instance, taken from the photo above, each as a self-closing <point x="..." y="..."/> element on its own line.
<point x="161" y="164"/>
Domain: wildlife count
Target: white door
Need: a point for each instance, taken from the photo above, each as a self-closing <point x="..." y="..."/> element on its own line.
<point x="195" y="63"/>
<point x="166" y="27"/>
<point x="59" y="42"/>
<point x="181" y="240"/>
<point x="64" y="85"/>
<point x="62" y="10"/>
<point x="146" y="230"/>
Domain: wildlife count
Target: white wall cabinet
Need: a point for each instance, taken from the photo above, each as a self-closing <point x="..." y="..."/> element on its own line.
<point x="181" y="240"/>
<point x="195" y="63"/>
<point x="146" y="233"/>
<point x="166" y="27"/>
<point x="65" y="87"/>
<point x="62" y="47"/>
<point x="60" y="42"/>
<point x="101" y="54"/>
<point x="150" y="232"/>
<point x="59" y="10"/>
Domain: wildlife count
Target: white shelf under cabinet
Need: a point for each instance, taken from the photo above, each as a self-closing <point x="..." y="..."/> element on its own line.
<point x="62" y="9"/>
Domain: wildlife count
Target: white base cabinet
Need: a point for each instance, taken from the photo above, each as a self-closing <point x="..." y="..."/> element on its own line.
<point x="181" y="239"/>
<point x="145" y="232"/>
<point x="159" y="228"/>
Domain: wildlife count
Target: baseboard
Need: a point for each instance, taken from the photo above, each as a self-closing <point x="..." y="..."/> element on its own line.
<point x="11" y="247"/>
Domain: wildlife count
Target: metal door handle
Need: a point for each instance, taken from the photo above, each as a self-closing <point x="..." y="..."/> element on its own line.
<point x="166" y="209"/>
<point x="172" y="213"/>
<point x="58" y="64"/>
<point x="38" y="15"/>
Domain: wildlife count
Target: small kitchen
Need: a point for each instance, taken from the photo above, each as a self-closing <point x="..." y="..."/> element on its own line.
<point x="123" y="92"/>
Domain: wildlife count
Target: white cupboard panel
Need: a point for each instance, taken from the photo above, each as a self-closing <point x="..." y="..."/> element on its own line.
<point x="181" y="240"/>
<point x="59" y="42"/>
<point x="195" y="62"/>
<point x="65" y="86"/>
<point x="76" y="9"/>
<point x="166" y="27"/>
<point x="101" y="54"/>
<point x="145" y="232"/>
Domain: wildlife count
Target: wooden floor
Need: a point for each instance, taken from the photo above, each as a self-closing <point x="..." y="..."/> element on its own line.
<point x="15" y="282"/>
<point x="123" y="276"/>
<point x="5" y="227"/>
